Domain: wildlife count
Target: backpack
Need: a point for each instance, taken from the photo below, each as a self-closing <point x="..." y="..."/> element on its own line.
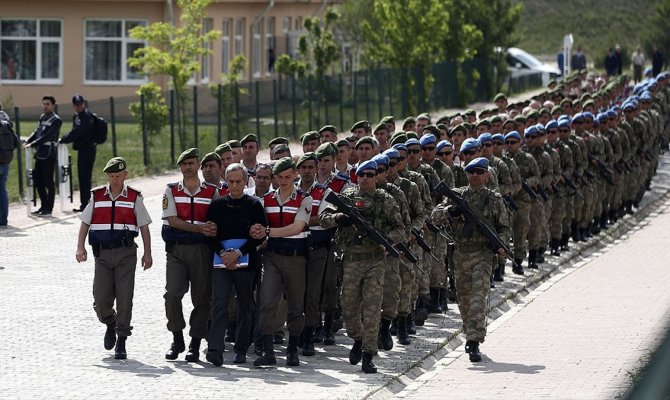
<point x="99" y="129"/>
<point x="8" y="142"/>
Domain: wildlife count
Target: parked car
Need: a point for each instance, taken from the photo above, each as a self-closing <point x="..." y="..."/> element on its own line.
<point x="520" y="63"/>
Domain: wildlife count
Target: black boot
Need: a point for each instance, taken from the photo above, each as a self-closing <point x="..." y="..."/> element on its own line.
<point x="338" y="322"/>
<point x="574" y="231"/>
<point x="193" y="354"/>
<point x="555" y="250"/>
<point x="368" y="366"/>
<point x="385" y="337"/>
<point x="230" y="332"/>
<point x="582" y="235"/>
<point x="595" y="226"/>
<point x="317" y="336"/>
<point x="120" y="350"/>
<point x="411" y="326"/>
<point x="443" y="300"/>
<point x="517" y="268"/>
<point x="308" y="344"/>
<point x="497" y="276"/>
<point x="328" y="337"/>
<point x="539" y="257"/>
<point x="472" y="348"/>
<point x="604" y="220"/>
<point x="356" y="352"/>
<point x="394" y="327"/>
<point x="420" y="314"/>
<point x="177" y="347"/>
<point x="268" y="357"/>
<point x="110" y="336"/>
<point x="403" y="337"/>
<point x="587" y="232"/>
<point x="433" y="306"/>
<point x="292" y="351"/>
<point x="564" y="242"/>
<point x="452" y="293"/>
<point x="531" y="259"/>
<point x="215" y="357"/>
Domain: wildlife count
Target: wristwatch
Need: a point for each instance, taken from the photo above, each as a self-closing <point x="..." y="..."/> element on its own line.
<point x="267" y="231"/>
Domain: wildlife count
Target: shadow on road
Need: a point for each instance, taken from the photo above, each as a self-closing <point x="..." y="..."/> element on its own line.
<point x="138" y="368"/>
<point x="489" y="366"/>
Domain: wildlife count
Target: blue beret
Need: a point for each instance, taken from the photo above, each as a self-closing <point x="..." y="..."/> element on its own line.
<point x="427" y="139"/>
<point x="391" y="153"/>
<point x="587" y="114"/>
<point x="412" y="142"/>
<point x="647" y="71"/>
<point x="601" y="117"/>
<point x="400" y="146"/>
<point x="498" y="137"/>
<point x="442" y="144"/>
<point x="551" y="125"/>
<point x="611" y="113"/>
<point x="381" y="159"/>
<point x="469" y="144"/>
<point x="579" y="117"/>
<point x="564" y="123"/>
<point x="366" y="165"/>
<point x="646" y="96"/>
<point x="485" y="137"/>
<point x="628" y="106"/>
<point x="638" y="88"/>
<point x="513" y="135"/>
<point x="564" y="116"/>
<point x="477" y="163"/>
<point x="539" y="127"/>
<point x="531" y="131"/>
<point x="616" y="108"/>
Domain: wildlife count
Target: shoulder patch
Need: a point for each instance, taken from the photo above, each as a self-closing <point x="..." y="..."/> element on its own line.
<point x="165" y="202"/>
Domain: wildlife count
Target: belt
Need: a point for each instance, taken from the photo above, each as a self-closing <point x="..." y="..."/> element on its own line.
<point x="319" y="245"/>
<point x="289" y="253"/>
<point x="115" y="245"/>
<point x="186" y="243"/>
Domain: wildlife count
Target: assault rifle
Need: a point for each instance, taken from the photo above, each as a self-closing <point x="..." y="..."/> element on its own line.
<point x="440" y="231"/>
<point x="422" y="243"/>
<point x="528" y="189"/>
<point x="604" y="170"/>
<point x="543" y="193"/>
<point x="509" y="202"/>
<point x="569" y="183"/>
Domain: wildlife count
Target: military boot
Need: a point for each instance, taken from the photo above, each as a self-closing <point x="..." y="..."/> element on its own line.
<point x="574" y="231"/>
<point x="443" y="300"/>
<point x="604" y="220"/>
<point x="328" y="337"/>
<point x="564" y="242"/>
<point x="356" y="352"/>
<point x="120" y="350"/>
<point x="452" y="292"/>
<point x="411" y="326"/>
<point x="420" y="313"/>
<point x="385" y="334"/>
<point x="539" y="257"/>
<point x="292" y="351"/>
<point x="317" y="336"/>
<point x="497" y="276"/>
<point x="268" y="357"/>
<point x="629" y="208"/>
<point x="517" y="268"/>
<point x="308" y="342"/>
<point x="403" y="337"/>
<point x="338" y="322"/>
<point x="110" y="336"/>
<point x="472" y="348"/>
<point x="555" y="250"/>
<point x="193" y="354"/>
<point x="394" y="327"/>
<point x="368" y="366"/>
<point x="433" y="306"/>
<point x="587" y="232"/>
<point x="532" y="254"/>
<point x="595" y="226"/>
<point x="177" y="346"/>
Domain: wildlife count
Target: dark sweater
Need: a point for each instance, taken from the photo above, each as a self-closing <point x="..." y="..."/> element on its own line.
<point x="233" y="218"/>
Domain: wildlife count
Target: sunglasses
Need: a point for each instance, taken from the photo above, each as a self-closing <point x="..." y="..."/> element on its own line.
<point x="366" y="174"/>
<point x="578" y="122"/>
<point x="413" y="151"/>
<point x="477" y="172"/>
<point x="552" y="132"/>
<point x="470" y="152"/>
<point x="392" y="164"/>
<point x="511" y="142"/>
<point x="431" y="148"/>
<point x="381" y="170"/>
<point x="401" y="159"/>
<point x="564" y="130"/>
<point x="488" y="144"/>
<point x="444" y="153"/>
<point x="498" y="143"/>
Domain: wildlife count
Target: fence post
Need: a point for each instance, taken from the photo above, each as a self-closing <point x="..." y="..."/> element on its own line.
<point x="145" y="152"/>
<point x="354" y="96"/>
<point x="367" y="96"/>
<point x="309" y="103"/>
<point x="379" y="93"/>
<point x="258" y="111"/>
<point x="237" y="110"/>
<point x="218" y="114"/>
<point x="112" y="119"/>
<point x="19" y="151"/>
<point x="293" y="134"/>
<point x="404" y="101"/>
<point x="195" y="116"/>
<point x="341" y="102"/>
<point x="275" y="100"/>
<point x="171" y="127"/>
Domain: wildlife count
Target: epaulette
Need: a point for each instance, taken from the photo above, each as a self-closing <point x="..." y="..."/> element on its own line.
<point x="98" y="188"/>
<point x="172" y="184"/>
<point x="139" y="193"/>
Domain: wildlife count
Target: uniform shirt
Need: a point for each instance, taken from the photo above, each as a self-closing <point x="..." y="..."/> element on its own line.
<point x="141" y="213"/>
<point x="304" y="212"/>
<point x="169" y="206"/>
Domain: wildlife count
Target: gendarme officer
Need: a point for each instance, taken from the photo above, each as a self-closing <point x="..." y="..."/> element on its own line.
<point x="112" y="220"/>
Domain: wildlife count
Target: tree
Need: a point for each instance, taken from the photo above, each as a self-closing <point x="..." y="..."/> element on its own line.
<point x="155" y="114"/>
<point x="175" y="51"/>
<point x="660" y="27"/>
<point x="230" y="90"/>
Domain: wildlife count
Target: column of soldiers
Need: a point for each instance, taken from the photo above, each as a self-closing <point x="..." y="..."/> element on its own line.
<point x="389" y="248"/>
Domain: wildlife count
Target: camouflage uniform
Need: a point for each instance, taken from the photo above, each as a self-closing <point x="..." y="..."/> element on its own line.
<point x="566" y="194"/>
<point x="528" y="170"/>
<point x="539" y="208"/>
<point x="556" y="203"/>
<point x="505" y="185"/>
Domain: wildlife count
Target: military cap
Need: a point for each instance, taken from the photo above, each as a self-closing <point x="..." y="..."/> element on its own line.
<point x="483" y="122"/>
<point x="611" y="114"/>
<point x="459" y="127"/>
<point x="628" y="106"/>
<point x="325" y="150"/>
<point x="77" y="99"/>
<point x="498" y="137"/>
<point x="499" y="96"/>
<point x="282" y="165"/>
<point x="211" y="157"/>
<point x="409" y="120"/>
<point x="564" y="123"/>
<point x="387" y="119"/>
<point x="544" y="111"/>
<point x="223" y="148"/>
<point x="342" y="142"/>
<point x="442" y="144"/>
<point x="412" y="142"/>
<point x="646" y="96"/>
<point x="381" y="159"/>
<point x="495" y="118"/>
<point x="566" y="101"/>
<point x="532" y="114"/>
<point x="470" y="144"/>
<point x="485" y="137"/>
<point x="328" y="128"/>
<point x="308" y="136"/>
<point x="442" y="126"/>
<point x="588" y="102"/>
<point x="423" y="116"/>
<point x="556" y="109"/>
<point x="540" y="127"/>
<point x="469" y="112"/>
<point x="411" y="135"/>
<point x="379" y="127"/>
<point x="365" y="140"/>
<point x="402" y="138"/>
<point x="509" y="121"/>
<point x="531" y="131"/>
<point x="647" y="71"/>
<point x="432" y="129"/>
<point x="443" y="120"/>
<point x="234" y="144"/>
<point x="520" y="118"/>
<point x="188" y="153"/>
<point x="365" y="166"/>
<point x="114" y="165"/>
<point x="588" y="114"/>
<point x="278" y="140"/>
<point x="510" y="106"/>
<point x="576" y="102"/>
<point x="513" y="135"/>
<point x="281" y="148"/>
<point x="249" y="138"/>
<point x="391" y="153"/>
<point x="360" y="124"/>
<point x="427" y="140"/>
<point x="309" y="156"/>
<point x="351" y="139"/>
<point x="579" y="117"/>
<point x="477" y="163"/>
<point x="400" y="146"/>
<point x="552" y="124"/>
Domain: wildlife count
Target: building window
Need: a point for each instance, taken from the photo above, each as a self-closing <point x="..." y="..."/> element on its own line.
<point x="270" y="44"/>
<point x="31" y="50"/>
<point x="256" y="49"/>
<point x="206" y="61"/>
<point x="225" y="46"/>
<point x="239" y="37"/>
<point x="108" y="46"/>
<point x="298" y="23"/>
<point x="287" y="25"/>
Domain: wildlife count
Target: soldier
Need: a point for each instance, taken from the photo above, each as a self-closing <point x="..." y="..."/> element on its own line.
<point x="473" y="257"/>
<point x="309" y="141"/>
<point x="112" y="221"/>
<point x="364" y="261"/>
<point x="186" y="233"/>
<point x="250" y="147"/>
<point x="212" y="171"/>
<point x="328" y="134"/>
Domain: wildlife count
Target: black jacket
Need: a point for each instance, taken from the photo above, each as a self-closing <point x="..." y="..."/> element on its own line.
<point x="81" y="135"/>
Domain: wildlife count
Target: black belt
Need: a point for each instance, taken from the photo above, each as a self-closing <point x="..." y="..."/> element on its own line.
<point x="289" y="253"/>
<point x="186" y="243"/>
<point x="319" y="245"/>
<point x="116" y="244"/>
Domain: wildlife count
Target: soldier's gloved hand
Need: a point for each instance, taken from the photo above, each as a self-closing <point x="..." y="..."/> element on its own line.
<point x="343" y="220"/>
<point x="454" y="212"/>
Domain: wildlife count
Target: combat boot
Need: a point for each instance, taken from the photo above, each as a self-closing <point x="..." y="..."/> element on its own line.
<point x="308" y="344"/>
<point x="531" y="259"/>
<point x="420" y="313"/>
<point x="384" y="335"/>
<point x="356" y="352"/>
<point x="604" y="220"/>
<point x="443" y="300"/>
<point x="453" y="294"/>
<point x="317" y="336"/>
<point x="574" y="232"/>
<point x="434" y="303"/>
<point x="268" y="357"/>
<point x="587" y="232"/>
<point x="193" y="354"/>
<point x="492" y="284"/>
<point x="292" y="351"/>
<point x="497" y="276"/>
<point x="394" y="327"/>
<point x="177" y="346"/>
<point x="411" y="327"/>
<point x="555" y="251"/>
<point x="595" y="227"/>
<point x="564" y="242"/>
<point x="120" y="350"/>
<point x="328" y="337"/>
<point x="629" y="208"/>
<point x="539" y="257"/>
<point x="338" y="322"/>
<point x="110" y="336"/>
<point x="472" y="348"/>
<point x="517" y="268"/>
<point x="368" y="366"/>
<point x="403" y="337"/>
